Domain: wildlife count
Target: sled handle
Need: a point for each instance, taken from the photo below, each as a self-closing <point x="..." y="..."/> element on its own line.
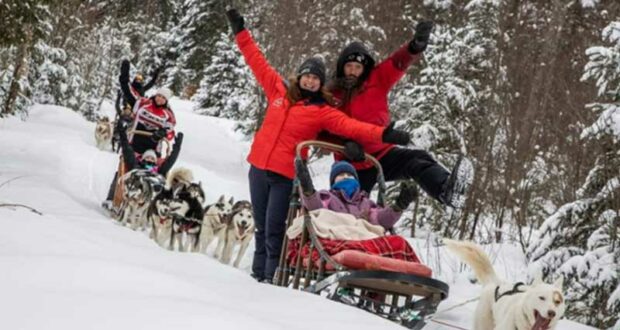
<point x="339" y="148"/>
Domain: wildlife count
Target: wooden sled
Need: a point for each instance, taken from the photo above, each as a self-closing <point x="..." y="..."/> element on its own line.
<point x="407" y="296"/>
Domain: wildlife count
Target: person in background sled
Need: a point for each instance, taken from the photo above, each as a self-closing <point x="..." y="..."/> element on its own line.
<point x="296" y="112"/>
<point x="345" y="195"/>
<point x="148" y="160"/>
<point x="361" y="90"/>
<point x="122" y="114"/>
<point x="137" y="85"/>
<point x="151" y="114"/>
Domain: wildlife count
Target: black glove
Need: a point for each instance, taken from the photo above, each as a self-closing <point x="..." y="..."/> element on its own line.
<point x="179" y="138"/>
<point x="121" y="129"/>
<point x="124" y="77"/>
<point x="354" y="151"/>
<point x="395" y="136"/>
<point x="304" y="177"/>
<point x="408" y="192"/>
<point x="237" y="23"/>
<point x="421" y="37"/>
<point x="159" y="134"/>
<point x="155" y="73"/>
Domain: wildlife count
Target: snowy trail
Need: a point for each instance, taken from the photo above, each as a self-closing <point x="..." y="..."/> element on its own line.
<point x="73" y="268"/>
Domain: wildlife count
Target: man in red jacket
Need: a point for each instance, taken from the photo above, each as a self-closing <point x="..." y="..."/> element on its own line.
<point x="361" y="89"/>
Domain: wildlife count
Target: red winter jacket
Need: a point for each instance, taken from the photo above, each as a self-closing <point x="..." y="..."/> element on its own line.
<point x="286" y="125"/>
<point x="370" y="104"/>
<point x="150" y="117"/>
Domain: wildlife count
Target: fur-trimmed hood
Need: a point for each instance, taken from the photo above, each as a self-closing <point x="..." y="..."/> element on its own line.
<point x="179" y="174"/>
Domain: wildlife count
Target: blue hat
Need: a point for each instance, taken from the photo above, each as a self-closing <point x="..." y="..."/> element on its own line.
<point x="341" y="167"/>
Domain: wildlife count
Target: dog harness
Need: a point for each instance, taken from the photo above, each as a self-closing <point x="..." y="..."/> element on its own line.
<point x="515" y="290"/>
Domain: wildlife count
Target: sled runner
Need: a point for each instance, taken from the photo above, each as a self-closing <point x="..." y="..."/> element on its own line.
<point x="398" y="290"/>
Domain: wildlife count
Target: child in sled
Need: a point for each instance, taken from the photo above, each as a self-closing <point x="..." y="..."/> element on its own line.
<point x="345" y="196"/>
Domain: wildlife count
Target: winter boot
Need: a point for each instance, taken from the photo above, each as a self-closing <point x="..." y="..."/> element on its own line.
<point x="454" y="190"/>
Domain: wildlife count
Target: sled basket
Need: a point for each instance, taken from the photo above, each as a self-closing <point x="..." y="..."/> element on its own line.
<point x="397" y="290"/>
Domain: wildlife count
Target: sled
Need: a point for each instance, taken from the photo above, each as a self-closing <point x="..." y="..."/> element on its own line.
<point x="117" y="200"/>
<point x="400" y="291"/>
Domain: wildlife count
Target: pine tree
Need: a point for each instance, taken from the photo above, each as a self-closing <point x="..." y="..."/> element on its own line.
<point x="24" y="24"/>
<point x="581" y="241"/>
<point x="195" y="37"/>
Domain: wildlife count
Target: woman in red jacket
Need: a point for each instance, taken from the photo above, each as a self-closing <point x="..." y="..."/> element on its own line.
<point x="296" y="112"/>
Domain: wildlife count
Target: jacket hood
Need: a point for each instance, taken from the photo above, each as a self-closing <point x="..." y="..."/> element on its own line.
<point x="354" y="48"/>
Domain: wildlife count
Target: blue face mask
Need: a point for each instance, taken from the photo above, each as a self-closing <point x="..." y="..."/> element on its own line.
<point x="349" y="186"/>
<point x="150" y="166"/>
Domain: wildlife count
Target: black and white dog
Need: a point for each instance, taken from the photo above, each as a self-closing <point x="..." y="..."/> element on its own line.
<point x="160" y="217"/>
<point x="140" y="188"/>
<point x="186" y="209"/>
<point x="239" y="231"/>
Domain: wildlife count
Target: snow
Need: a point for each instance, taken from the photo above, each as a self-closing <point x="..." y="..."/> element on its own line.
<point x="74" y="268"/>
<point x="589" y="3"/>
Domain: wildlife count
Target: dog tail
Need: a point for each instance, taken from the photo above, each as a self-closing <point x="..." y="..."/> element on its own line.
<point x="179" y="174"/>
<point x="475" y="257"/>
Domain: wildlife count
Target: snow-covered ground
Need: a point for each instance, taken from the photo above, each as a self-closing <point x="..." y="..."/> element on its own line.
<point x="74" y="268"/>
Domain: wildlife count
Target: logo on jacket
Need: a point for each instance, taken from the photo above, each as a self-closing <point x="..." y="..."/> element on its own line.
<point x="278" y="102"/>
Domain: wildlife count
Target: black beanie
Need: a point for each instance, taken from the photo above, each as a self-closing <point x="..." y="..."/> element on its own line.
<point x="315" y="66"/>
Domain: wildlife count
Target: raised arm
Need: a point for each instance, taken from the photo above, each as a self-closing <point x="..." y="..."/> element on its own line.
<point x="266" y="75"/>
<point x="392" y="69"/>
<point x="176" y="149"/>
<point x="123" y="79"/>
<point x="153" y="80"/>
<point x="128" y="153"/>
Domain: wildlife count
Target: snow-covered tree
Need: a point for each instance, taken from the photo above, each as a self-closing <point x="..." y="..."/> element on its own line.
<point x="49" y="75"/>
<point x="194" y="42"/>
<point x="24" y="24"/>
<point x="227" y="87"/>
<point x="581" y="240"/>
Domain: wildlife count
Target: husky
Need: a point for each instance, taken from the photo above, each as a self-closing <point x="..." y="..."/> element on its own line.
<point x="186" y="208"/>
<point x="239" y="231"/>
<point x="103" y="132"/>
<point x="510" y="306"/>
<point x="140" y="187"/>
<point x="160" y="217"/>
<point x="215" y="220"/>
<point x="179" y="177"/>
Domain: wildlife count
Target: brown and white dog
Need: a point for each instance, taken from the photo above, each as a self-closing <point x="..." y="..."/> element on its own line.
<point x="103" y="132"/>
<point x="510" y="306"/>
<point x="239" y="231"/>
<point x="214" y="224"/>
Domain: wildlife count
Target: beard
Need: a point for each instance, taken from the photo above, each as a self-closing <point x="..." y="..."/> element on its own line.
<point x="349" y="82"/>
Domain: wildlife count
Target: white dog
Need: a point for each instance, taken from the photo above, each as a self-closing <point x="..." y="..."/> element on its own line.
<point x="509" y="306"/>
<point x="103" y="133"/>
<point x="214" y="224"/>
<point x="240" y="231"/>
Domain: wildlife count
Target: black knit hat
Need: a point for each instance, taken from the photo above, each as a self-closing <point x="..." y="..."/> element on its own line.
<point x="313" y="65"/>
